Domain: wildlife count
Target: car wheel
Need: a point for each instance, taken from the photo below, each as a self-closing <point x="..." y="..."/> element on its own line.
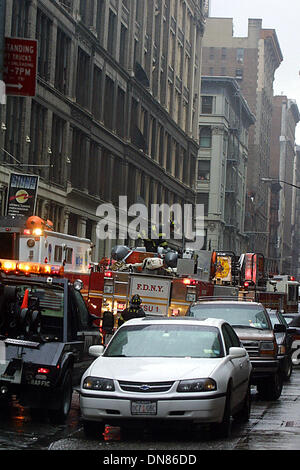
<point x="244" y="414"/>
<point x="58" y="416"/>
<point x="289" y="369"/>
<point x="93" y="429"/>
<point x="222" y="430"/>
<point x="271" y="388"/>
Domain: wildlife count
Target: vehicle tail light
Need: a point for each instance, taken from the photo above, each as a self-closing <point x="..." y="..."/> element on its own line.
<point x="43" y="370"/>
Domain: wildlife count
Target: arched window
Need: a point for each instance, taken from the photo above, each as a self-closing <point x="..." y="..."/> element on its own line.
<point x="205" y="137"/>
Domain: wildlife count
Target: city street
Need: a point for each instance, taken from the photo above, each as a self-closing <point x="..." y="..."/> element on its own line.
<point x="272" y="426"/>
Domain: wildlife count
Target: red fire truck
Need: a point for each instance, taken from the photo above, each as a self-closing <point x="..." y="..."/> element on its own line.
<point x="164" y="291"/>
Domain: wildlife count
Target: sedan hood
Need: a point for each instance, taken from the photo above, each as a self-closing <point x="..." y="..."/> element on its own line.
<point x="152" y="369"/>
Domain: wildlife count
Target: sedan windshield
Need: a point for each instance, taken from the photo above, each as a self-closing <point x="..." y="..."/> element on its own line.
<point x="166" y="341"/>
<point x="235" y="315"/>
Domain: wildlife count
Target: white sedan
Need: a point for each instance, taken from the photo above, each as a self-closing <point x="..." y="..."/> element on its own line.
<point x="172" y="369"/>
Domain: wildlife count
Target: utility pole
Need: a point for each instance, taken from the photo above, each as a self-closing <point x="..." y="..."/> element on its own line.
<point x="2" y="45"/>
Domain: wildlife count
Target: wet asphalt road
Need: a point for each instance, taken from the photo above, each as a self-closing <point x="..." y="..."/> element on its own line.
<point x="272" y="426"/>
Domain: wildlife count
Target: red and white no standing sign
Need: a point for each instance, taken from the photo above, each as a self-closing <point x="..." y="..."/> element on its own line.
<point x="20" y="65"/>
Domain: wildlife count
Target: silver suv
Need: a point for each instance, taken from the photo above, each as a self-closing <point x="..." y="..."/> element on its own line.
<point x="253" y="326"/>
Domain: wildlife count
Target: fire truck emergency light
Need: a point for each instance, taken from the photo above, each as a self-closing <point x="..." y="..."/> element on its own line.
<point x="10" y="266"/>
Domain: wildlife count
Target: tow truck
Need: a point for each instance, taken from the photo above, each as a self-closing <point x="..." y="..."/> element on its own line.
<point x="45" y="332"/>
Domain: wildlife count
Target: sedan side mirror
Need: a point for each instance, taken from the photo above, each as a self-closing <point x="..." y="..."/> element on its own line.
<point x="96" y="350"/>
<point x="279" y="328"/>
<point x="237" y="352"/>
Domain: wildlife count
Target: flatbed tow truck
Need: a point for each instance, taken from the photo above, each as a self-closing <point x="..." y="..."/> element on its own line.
<point x="45" y="332"/>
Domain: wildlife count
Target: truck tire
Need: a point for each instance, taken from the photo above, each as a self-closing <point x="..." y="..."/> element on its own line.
<point x="271" y="388"/>
<point x="289" y="369"/>
<point x="59" y="415"/>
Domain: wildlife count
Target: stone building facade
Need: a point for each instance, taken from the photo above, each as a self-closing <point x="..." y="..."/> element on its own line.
<point x="222" y="162"/>
<point x="116" y="109"/>
<point x="283" y="197"/>
<point x="252" y="61"/>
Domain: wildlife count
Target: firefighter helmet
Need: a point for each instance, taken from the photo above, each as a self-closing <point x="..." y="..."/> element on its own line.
<point x="136" y="300"/>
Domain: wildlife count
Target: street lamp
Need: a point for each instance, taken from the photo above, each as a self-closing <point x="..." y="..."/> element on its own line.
<point x="275" y="180"/>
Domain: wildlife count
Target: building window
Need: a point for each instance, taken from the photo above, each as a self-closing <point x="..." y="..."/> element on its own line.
<point x="97" y="93"/>
<point x="37" y="151"/>
<point x="78" y="159"/>
<point x="19" y="26"/>
<point x="205" y="137"/>
<point x="223" y="54"/>
<point x="43" y="36"/>
<point x="57" y="150"/>
<point x="62" y="61"/>
<point x="123" y="42"/>
<point x="239" y="73"/>
<point x="206" y="104"/>
<point x="203" y="170"/>
<point x="83" y="74"/>
<point x="111" y="33"/>
<point x="120" y="125"/>
<point x="240" y="55"/>
<point x="100" y="18"/>
<point x="203" y="199"/>
<point x="14" y="136"/>
<point x="108" y="102"/>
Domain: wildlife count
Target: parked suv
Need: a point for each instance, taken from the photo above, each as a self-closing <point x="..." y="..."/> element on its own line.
<point x="253" y="326"/>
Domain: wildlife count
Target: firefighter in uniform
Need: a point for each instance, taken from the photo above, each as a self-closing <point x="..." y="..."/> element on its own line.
<point x="153" y="239"/>
<point x="133" y="311"/>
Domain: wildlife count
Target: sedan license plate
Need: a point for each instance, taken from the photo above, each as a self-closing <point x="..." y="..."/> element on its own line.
<point x="143" y="407"/>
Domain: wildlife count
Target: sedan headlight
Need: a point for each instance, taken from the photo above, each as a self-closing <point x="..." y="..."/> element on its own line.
<point x="197" y="385"/>
<point x="98" y="383"/>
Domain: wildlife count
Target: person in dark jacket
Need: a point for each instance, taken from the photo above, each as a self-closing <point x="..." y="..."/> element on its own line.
<point x="133" y="311"/>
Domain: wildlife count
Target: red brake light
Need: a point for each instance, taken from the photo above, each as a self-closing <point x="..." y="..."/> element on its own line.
<point x="187" y="282"/>
<point x="246" y="284"/>
<point x="43" y="370"/>
<point x="292" y="278"/>
<point x="108" y="274"/>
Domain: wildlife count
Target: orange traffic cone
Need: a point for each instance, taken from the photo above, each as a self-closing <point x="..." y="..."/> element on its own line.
<point x="25" y="299"/>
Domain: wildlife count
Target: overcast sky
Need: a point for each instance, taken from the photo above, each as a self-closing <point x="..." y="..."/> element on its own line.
<point x="284" y="17"/>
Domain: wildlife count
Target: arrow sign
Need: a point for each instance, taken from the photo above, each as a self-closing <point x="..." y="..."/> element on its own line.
<point x="20" y="64"/>
<point x="19" y="86"/>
